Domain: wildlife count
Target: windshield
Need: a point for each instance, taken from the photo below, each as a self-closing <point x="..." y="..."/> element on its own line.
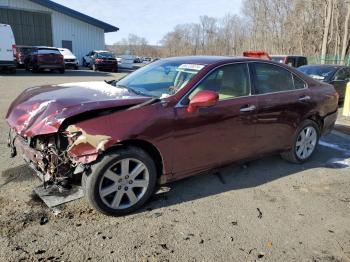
<point x="317" y="72"/>
<point x="160" y="79"/>
<point x="105" y="55"/>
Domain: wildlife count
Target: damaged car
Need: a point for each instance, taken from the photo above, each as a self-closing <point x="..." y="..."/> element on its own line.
<point x="171" y="119"/>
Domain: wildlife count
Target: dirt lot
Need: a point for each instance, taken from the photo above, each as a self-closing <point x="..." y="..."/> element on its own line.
<point x="266" y="210"/>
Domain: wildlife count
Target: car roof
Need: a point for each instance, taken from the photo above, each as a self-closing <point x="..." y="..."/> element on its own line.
<point x="207" y="60"/>
<point x="325" y="66"/>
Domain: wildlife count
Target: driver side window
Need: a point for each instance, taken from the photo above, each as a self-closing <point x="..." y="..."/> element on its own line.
<point x="341" y="75"/>
<point x="228" y="81"/>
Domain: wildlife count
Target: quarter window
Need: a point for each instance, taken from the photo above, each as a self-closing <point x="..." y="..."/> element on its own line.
<point x="228" y="81"/>
<point x="272" y="79"/>
<point x="298" y="83"/>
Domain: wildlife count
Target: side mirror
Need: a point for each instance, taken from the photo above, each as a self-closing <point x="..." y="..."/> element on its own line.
<point x="203" y="98"/>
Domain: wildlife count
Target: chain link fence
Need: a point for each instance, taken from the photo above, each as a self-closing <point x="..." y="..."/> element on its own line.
<point x="329" y="59"/>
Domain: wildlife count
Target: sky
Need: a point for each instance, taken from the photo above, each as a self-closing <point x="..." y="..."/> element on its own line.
<point x="151" y="19"/>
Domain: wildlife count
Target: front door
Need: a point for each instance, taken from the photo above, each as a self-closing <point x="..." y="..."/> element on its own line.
<point x="219" y="134"/>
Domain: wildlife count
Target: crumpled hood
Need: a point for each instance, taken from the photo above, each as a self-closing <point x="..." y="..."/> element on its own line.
<point x="41" y="110"/>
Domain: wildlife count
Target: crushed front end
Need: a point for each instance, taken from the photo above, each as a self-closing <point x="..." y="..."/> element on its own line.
<point x="47" y="155"/>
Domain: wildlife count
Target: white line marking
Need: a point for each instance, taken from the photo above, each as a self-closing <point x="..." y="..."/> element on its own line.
<point x="333" y="146"/>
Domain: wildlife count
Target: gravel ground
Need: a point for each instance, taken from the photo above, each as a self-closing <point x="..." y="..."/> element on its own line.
<point x="265" y="210"/>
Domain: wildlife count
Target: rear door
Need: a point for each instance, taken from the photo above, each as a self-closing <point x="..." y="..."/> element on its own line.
<point x="283" y="100"/>
<point x="219" y="134"/>
<point x="7" y="44"/>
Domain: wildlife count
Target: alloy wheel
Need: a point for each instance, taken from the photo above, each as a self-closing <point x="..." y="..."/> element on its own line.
<point x="124" y="183"/>
<point x="306" y="142"/>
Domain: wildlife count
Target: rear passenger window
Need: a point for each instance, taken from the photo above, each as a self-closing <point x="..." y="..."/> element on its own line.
<point x="272" y="79"/>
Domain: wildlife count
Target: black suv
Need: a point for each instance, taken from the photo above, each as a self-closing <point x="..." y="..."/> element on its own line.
<point x="291" y="60"/>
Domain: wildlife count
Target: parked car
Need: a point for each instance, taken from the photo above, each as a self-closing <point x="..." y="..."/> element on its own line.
<point x="171" y="119"/>
<point x="104" y="61"/>
<point x="87" y="58"/>
<point x="21" y="54"/>
<point x="147" y="60"/>
<point x="70" y="60"/>
<point x="336" y="75"/>
<point x="42" y="57"/>
<point x="7" y="49"/>
<point x="137" y="59"/>
<point x="291" y="60"/>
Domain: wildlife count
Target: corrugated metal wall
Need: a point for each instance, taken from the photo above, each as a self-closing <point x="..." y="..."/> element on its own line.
<point x="85" y="37"/>
<point x="29" y="28"/>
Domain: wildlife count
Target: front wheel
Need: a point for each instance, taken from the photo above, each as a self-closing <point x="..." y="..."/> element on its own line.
<point x="305" y="143"/>
<point x="121" y="182"/>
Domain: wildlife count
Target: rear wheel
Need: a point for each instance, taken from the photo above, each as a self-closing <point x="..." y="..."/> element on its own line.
<point x="121" y="182"/>
<point x="62" y="70"/>
<point x="304" y="144"/>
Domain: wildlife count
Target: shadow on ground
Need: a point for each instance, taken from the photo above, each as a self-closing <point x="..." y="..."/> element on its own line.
<point x="233" y="177"/>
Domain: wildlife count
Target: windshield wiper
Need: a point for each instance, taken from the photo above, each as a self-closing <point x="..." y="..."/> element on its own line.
<point x="132" y="90"/>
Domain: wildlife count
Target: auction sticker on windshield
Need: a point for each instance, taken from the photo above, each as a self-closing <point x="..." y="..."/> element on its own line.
<point x="191" y="66"/>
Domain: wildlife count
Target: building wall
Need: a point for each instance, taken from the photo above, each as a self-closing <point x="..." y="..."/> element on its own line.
<point x="85" y="37"/>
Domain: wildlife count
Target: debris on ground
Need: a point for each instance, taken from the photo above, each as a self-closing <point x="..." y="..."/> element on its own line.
<point x="260" y="213"/>
<point x="269" y="244"/>
<point x="261" y="255"/>
<point x="234" y="223"/>
<point x="39" y="252"/>
<point x="164" y="246"/>
<point x="44" y="220"/>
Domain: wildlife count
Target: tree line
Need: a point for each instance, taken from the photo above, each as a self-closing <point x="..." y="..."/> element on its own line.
<point x="317" y="28"/>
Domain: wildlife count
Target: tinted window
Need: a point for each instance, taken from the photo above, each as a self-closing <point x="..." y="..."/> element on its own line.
<point x="301" y="61"/>
<point x="271" y="78"/>
<point x="229" y="81"/>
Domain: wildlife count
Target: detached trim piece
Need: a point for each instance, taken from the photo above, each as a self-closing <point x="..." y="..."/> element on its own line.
<point x="70" y="12"/>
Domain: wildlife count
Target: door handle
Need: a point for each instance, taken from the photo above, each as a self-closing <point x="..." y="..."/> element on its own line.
<point x="304" y="98"/>
<point x="248" y="108"/>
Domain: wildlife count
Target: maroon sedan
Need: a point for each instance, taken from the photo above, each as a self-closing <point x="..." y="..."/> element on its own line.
<point x="171" y="119"/>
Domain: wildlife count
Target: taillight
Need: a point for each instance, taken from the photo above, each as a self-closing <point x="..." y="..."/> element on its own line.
<point x="99" y="60"/>
<point x="61" y="58"/>
<point x="14" y="50"/>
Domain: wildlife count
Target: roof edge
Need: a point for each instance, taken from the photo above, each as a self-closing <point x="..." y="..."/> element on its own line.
<point x="77" y="15"/>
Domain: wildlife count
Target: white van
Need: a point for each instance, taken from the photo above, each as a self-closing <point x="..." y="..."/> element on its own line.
<point x="7" y="48"/>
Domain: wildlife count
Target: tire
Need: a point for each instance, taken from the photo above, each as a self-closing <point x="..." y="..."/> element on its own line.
<point x="76" y="67"/>
<point x="62" y="70"/>
<point x="122" y="195"/>
<point x="115" y="69"/>
<point x="35" y="69"/>
<point x="297" y="154"/>
<point x="94" y="67"/>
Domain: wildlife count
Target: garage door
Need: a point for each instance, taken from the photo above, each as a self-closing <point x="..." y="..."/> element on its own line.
<point x="29" y="28"/>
